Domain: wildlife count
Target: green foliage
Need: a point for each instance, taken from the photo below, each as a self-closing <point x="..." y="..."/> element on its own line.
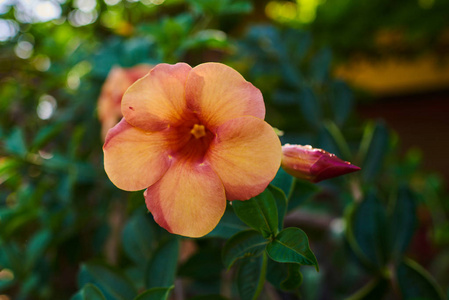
<point x="161" y="270"/>
<point x="259" y="213"/>
<point x="291" y="246"/>
<point x="416" y="283"/>
<point x="243" y="244"/>
<point x="89" y="292"/>
<point x="155" y="294"/>
<point x="111" y="283"/>
<point x="62" y="219"/>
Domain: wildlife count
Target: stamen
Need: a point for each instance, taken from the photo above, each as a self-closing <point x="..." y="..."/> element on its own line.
<point x="198" y="131"/>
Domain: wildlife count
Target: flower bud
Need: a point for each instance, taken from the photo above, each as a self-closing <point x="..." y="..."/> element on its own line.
<point x="312" y="164"/>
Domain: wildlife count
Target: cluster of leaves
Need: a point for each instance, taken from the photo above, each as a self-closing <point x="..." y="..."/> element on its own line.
<point x="379" y="206"/>
<point x="66" y="231"/>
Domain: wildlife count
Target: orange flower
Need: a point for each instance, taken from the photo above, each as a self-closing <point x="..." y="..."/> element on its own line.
<point x="312" y="164"/>
<point x="193" y="137"/>
<point x="116" y="84"/>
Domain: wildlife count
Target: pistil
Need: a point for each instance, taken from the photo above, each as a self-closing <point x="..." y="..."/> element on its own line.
<point x="198" y="131"/>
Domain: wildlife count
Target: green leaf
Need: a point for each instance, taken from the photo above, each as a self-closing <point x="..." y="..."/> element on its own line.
<point x="320" y="65"/>
<point x="294" y="278"/>
<point x="284" y="181"/>
<point x="338" y="139"/>
<point x="416" y="283"/>
<point x="113" y="285"/>
<point x="342" y="101"/>
<point x="89" y="292"/>
<point x="243" y="244"/>
<point x="310" y="107"/>
<point x="373" y="290"/>
<point x="402" y="222"/>
<point x="229" y="225"/>
<point x="209" y="297"/>
<point x="15" y="143"/>
<point x="276" y="272"/>
<point x="162" y="266"/>
<point x="137" y="238"/>
<point x="301" y="192"/>
<point x="160" y="293"/>
<point x="291" y="245"/>
<point x="367" y="232"/>
<point x="373" y="148"/>
<point x="251" y="277"/>
<point x="204" y="265"/>
<point x="281" y="204"/>
<point x="259" y="213"/>
<point x="37" y="246"/>
<point x="46" y="134"/>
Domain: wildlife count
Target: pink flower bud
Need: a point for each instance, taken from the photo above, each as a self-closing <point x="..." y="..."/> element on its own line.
<point x="312" y="164"/>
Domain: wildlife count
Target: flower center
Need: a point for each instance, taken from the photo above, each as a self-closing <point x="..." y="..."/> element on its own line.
<point x="198" y="131"/>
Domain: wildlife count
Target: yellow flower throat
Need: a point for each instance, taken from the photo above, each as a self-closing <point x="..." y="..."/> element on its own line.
<point x="198" y="131"/>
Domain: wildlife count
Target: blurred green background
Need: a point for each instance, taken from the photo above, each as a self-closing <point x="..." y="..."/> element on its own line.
<point x="366" y="80"/>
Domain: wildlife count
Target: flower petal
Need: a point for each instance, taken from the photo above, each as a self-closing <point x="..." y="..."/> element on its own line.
<point x="158" y="99"/>
<point x="246" y="154"/>
<point x="189" y="200"/>
<point x="219" y="93"/>
<point x="134" y="159"/>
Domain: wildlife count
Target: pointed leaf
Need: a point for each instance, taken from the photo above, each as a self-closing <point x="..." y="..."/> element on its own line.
<point x="292" y="245"/>
<point x="259" y="213"/>
<point x="243" y="244"/>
